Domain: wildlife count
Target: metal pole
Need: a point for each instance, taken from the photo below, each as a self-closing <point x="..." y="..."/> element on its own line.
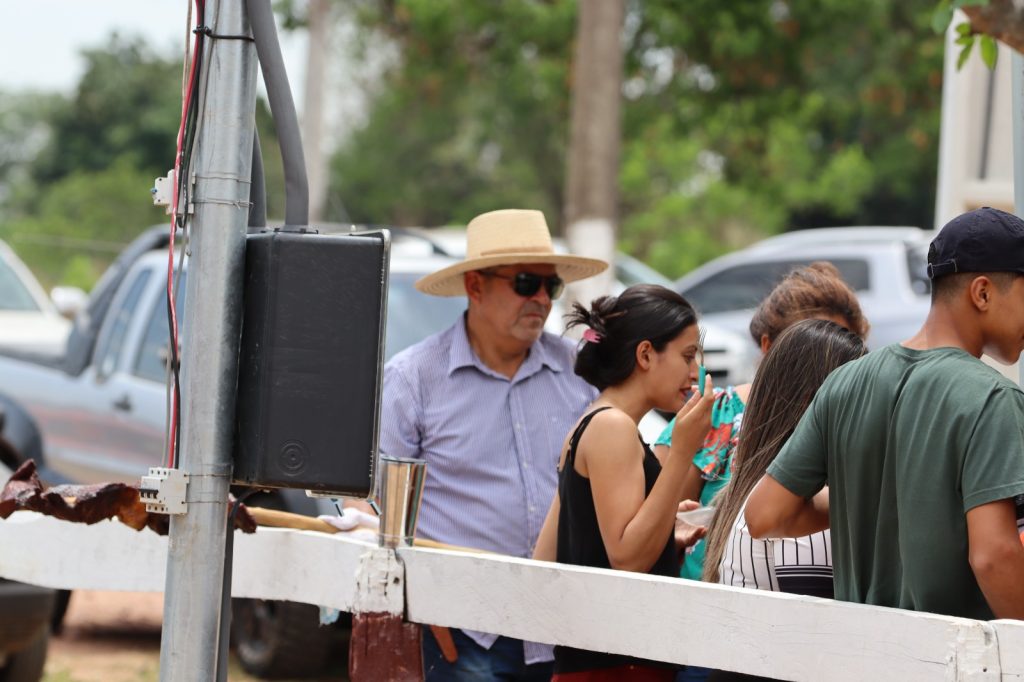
<point x="195" y="558"/>
<point x="1017" y="66"/>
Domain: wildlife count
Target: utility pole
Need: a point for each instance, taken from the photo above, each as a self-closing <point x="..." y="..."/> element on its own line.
<point x="591" y="207"/>
<point x="195" y="557"/>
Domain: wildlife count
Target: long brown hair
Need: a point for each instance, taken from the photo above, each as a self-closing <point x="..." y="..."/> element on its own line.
<point x="791" y="373"/>
<point x="816" y="290"/>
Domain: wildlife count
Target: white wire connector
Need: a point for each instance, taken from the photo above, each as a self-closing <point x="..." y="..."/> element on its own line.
<point x="163" y="491"/>
<point x="163" y="191"/>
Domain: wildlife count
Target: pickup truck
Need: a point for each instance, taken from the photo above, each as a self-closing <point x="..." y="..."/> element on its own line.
<point x="29" y="319"/>
<point x="26" y="611"/>
<point x="98" y="414"/>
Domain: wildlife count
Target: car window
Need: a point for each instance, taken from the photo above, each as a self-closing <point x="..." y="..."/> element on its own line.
<point x="742" y="287"/>
<point x="113" y="339"/>
<point x="13" y="293"/>
<point x="413" y="316"/>
<point x="151" y="360"/>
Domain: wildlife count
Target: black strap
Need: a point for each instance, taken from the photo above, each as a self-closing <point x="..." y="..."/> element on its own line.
<point x="578" y="433"/>
<point x="208" y="32"/>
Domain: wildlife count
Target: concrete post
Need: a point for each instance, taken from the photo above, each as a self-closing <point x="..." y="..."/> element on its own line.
<point x="212" y="325"/>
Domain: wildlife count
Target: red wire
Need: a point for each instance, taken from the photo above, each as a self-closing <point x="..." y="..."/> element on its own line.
<point x="186" y="103"/>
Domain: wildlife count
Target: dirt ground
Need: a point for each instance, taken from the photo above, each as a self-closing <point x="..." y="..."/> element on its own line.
<point x="114" y="637"/>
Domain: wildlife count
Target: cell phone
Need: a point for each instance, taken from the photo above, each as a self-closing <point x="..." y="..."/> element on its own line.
<point x="702" y="373"/>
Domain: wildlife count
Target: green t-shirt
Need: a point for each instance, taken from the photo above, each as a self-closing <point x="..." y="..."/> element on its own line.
<point x="908" y="441"/>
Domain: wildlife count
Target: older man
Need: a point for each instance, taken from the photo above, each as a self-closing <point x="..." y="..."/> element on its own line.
<point x="487" y="403"/>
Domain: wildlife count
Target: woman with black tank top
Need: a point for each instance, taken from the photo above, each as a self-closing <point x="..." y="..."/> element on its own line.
<point x="616" y="505"/>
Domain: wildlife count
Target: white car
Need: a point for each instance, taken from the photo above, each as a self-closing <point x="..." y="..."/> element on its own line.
<point x="29" y="321"/>
<point x="886" y="266"/>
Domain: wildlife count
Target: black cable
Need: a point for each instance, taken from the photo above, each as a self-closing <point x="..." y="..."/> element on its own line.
<point x="282" y="107"/>
<point x="224" y="636"/>
<point x="208" y="32"/>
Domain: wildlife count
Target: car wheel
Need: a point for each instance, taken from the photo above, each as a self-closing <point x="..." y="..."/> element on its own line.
<point x="275" y="639"/>
<point x="26" y="665"/>
<point x="60" y="609"/>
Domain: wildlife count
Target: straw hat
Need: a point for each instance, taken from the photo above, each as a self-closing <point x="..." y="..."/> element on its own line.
<point x="508" y="237"/>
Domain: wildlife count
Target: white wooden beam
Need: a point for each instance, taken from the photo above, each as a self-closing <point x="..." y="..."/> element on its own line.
<point x="777" y="635"/>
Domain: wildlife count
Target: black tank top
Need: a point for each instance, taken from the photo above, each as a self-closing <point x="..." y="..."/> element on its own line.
<point x="579" y="543"/>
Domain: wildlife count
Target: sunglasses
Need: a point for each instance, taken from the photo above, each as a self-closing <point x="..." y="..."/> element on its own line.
<point x="527" y="284"/>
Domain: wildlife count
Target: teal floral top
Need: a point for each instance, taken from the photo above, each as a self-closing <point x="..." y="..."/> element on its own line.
<point x="714" y="459"/>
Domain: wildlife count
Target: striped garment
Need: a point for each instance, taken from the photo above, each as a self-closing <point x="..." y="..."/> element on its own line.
<point x="796" y="565"/>
<point x="491" y="444"/>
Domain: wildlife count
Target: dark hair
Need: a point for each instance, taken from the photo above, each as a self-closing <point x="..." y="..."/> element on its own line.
<point x="794" y="368"/>
<point x="947" y="286"/>
<point x="643" y="312"/>
<point x="811" y="291"/>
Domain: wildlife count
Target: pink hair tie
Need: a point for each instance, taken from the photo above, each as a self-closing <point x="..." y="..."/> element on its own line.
<point x="591" y="336"/>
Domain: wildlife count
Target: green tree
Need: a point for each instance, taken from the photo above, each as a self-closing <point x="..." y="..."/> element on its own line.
<point x="76" y="187"/>
<point x="740" y="120"/>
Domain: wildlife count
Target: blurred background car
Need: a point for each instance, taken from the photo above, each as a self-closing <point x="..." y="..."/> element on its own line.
<point x="886" y="266"/>
<point x="29" y="320"/>
<point x="729" y="358"/>
<point x="26" y="611"/>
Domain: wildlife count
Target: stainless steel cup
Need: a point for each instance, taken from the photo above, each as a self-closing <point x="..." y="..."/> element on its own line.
<point x="400" y="490"/>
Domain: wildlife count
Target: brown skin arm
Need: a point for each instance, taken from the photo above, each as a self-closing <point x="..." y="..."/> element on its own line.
<point x="693" y="482"/>
<point x="997" y="557"/>
<point x="774" y="512"/>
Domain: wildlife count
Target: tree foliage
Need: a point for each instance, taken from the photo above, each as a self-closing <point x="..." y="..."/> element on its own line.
<point x="740" y="119"/>
<point x="76" y="186"/>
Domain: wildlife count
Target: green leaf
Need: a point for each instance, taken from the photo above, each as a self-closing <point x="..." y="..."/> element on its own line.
<point x="957" y="4"/>
<point x="989" y="51"/>
<point x="964" y="54"/>
<point x="964" y="40"/>
<point x="964" y="28"/>
<point x="941" y="17"/>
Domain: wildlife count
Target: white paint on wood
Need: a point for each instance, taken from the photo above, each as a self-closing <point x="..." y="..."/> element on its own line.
<point x="104" y="556"/>
<point x="1010" y="635"/>
<point x="777" y="635"/>
<point x="273" y="563"/>
<point x="380" y="583"/>
<point x="298" y="565"/>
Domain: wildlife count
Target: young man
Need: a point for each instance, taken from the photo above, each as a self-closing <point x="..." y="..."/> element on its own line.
<point x="487" y="404"/>
<point x="922" y="445"/>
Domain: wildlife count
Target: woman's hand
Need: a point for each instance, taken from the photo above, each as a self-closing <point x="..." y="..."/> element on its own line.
<point x="687" y="534"/>
<point x="694" y="420"/>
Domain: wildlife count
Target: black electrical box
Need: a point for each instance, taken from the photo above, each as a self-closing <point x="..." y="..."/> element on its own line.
<point x="310" y="362"/>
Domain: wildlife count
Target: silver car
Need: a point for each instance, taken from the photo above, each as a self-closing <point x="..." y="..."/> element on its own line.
<point x="886" y="266"/>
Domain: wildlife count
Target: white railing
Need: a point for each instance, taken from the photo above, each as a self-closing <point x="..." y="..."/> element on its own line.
<point x="777" y="635"/>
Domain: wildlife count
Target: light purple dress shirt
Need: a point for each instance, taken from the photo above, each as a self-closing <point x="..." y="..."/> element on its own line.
<point x="491" y="443"/>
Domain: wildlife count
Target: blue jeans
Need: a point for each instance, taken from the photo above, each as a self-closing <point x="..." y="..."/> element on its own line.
<point x="692" y="673"/>
<point x="502" y="662"/>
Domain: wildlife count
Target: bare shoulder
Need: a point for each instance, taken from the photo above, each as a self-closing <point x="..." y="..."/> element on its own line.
<point x="611" y="435"/>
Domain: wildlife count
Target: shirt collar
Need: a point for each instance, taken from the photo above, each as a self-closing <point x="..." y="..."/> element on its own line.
<point x="461" y="355"/>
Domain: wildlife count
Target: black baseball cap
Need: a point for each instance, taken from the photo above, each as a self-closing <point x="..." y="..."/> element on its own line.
<point x="983" y="240"/>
